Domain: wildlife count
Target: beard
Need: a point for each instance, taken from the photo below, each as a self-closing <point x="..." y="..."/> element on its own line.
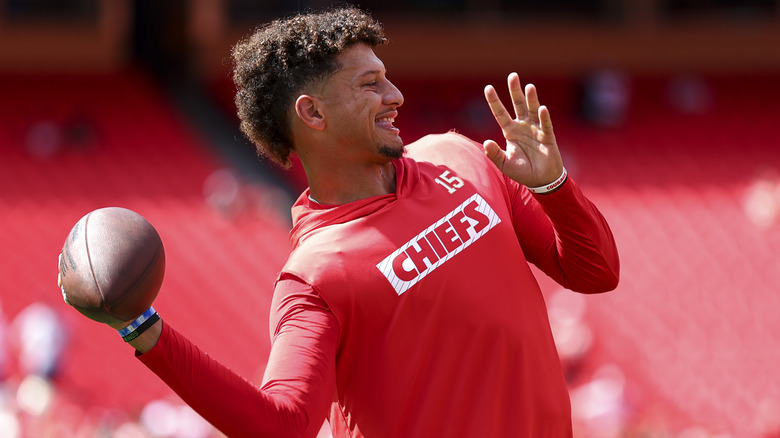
<point x="393" y="152"/>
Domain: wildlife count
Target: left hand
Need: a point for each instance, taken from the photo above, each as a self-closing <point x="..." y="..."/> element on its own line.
<point x="531" y="157"/>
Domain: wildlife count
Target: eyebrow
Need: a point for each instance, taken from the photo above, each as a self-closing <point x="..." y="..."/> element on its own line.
<point x="370" y="72"/>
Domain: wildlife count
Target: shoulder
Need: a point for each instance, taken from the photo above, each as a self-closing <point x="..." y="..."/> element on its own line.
<point x="445" y="147"/>
<point x="447" y="139"/>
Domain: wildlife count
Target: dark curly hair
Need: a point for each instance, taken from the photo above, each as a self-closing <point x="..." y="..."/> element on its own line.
<point x="280" y="59"/>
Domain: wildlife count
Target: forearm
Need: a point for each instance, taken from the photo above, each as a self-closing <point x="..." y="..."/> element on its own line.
<point x="578" y="250"/>
<point x="232" y="404"/>
<point x="298" y="384"/>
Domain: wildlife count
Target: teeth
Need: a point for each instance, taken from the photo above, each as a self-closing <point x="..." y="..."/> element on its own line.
<point x="386" y="119"/>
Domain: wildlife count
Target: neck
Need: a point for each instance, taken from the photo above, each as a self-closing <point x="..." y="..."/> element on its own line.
<point x="340" y="186"/>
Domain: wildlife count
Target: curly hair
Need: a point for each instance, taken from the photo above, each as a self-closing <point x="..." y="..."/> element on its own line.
<point x="279" y="60"/>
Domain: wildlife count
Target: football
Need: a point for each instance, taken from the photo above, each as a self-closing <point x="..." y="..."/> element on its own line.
<point x="112" y="265"/>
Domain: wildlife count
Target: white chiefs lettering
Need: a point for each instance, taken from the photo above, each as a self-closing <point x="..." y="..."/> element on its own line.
<point x="438" y="243"/>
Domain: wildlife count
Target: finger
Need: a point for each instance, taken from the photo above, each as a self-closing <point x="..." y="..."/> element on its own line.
<point x="532" y="99"/>
<point x="497" y="108"/>
<point x="59" y="272"/>
<point x="494" y="152"/>
<point x="518" y="98"/>
<point x="545" y="120"/>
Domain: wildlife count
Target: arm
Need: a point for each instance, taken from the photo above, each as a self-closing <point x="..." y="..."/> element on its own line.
<point x="298" y="385"/>
<point x="561" y="232"/>
<point x="565" y="236"/>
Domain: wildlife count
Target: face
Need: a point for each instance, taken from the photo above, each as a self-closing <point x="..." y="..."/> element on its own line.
<point x="360" y="105"/>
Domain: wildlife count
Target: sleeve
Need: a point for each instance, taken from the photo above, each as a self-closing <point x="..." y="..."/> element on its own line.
<point x="298" y="384"/>
<point x="566" y="236"/>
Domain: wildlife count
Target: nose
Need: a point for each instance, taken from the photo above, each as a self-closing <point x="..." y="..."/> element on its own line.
<point x="393" y="95"/>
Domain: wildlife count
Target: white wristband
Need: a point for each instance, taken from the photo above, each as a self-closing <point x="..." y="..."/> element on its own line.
<point x="547" y="188"/>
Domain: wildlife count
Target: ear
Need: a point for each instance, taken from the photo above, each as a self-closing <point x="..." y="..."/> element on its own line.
<point x="307" y="108"/>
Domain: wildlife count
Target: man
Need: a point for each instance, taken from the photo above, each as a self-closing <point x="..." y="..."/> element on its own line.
<point x="407" y="307"/>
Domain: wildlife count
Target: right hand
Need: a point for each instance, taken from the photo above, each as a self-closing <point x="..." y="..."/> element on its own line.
<point x="142" y="343"/>
<point x="118" y="325"/>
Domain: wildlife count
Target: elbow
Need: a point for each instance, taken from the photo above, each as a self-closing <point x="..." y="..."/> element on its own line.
<point x="607" y="281"/>
<point x="608" y="285"/>
<point x="595" y="289"/>
<point x="608" y="276"/>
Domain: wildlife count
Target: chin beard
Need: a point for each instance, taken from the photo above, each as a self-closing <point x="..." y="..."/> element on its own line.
<point x="393" y="152"/>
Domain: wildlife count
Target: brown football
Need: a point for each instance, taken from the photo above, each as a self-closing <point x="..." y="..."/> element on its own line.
<point x="112" y="265"/>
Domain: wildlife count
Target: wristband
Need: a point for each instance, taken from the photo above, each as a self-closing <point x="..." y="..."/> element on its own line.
<point x="553" y="186"/>
<point x="142" y="328"/>
<point x="139" y="325"/>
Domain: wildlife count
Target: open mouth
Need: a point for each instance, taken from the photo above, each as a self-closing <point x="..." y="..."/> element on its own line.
<point x="387" y="123"/>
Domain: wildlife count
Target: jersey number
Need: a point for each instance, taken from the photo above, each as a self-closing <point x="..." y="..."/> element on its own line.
<point x="450" y="182"/>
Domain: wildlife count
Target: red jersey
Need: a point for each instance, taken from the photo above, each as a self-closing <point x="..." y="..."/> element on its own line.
<point x="415" y="314"/>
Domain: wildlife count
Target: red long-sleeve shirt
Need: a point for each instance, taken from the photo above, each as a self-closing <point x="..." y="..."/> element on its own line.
<point x="415" y="313"/>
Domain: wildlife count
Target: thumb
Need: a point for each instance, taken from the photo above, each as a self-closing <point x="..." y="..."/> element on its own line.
<point x="494" y="152"/>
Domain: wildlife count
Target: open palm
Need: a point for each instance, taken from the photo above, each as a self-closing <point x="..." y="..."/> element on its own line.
<point x="531" y="156"/>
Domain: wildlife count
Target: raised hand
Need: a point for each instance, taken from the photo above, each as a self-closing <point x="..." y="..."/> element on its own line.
<point x="531" y="156"/>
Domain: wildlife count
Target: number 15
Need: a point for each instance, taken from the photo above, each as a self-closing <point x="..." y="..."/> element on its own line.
<point x="450" y="182"/>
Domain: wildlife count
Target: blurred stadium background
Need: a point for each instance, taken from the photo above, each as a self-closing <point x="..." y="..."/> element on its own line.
<point x="666" y="110"/>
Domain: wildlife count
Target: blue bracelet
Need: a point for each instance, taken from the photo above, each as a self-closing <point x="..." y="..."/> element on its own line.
<point x="137" y="323"/>
<point x="142" y="328"/>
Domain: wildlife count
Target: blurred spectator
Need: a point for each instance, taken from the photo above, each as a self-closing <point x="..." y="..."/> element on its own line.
<point x="233" y="197"/>
<point x="599" y="405"/>
<point x="475" y="118"/>
<point x="573" y="337"/>
<point x="689" y="94"/>
<point x="221" y="191"/>
<point x="130" y="430"/>
<point x="9" y="424"/>
<point x="761" y="201"/>
<point x="34" y="395"/>
<point x="5" y="366"/>
<point x="46" y="138"/>
<point x="43" y="139"/>
<point x="80" y="132"/>
<point x="40" y="337"/>
<point x="164" y="419"/>
<point x="605" y="98"/>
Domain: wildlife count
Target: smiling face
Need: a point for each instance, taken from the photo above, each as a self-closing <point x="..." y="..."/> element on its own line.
<point x="359" y="105"/>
